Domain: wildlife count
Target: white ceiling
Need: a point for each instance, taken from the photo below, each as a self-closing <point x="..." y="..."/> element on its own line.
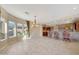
<point x="46" y="13"/>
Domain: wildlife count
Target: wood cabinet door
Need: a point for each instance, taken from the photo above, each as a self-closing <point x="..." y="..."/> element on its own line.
<point x="77" y="26"/>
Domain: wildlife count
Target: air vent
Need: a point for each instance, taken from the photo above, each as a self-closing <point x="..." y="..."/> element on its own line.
<point x="27" y="12"/>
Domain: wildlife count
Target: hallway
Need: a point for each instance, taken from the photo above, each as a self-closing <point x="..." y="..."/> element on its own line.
<point x="42" y="45"/>
<point x="27" y="29"/>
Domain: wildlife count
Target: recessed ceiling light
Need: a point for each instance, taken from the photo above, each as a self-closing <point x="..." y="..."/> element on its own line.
<point x="74" y="8"/>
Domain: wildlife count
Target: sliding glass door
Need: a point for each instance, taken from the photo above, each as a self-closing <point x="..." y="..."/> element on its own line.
<point x="19" y="29"/>
<point x="2" y="32"/>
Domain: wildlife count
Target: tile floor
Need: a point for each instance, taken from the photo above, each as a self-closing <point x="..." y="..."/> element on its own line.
<point x="38" y="45"/>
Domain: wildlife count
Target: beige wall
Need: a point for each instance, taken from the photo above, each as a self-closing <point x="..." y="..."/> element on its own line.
<point x="6" y="16"/>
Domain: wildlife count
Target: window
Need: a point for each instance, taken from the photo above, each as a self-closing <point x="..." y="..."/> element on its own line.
<point x="2" y="32"/>
<point x="25" y="29"/>
<point x="11" y="29"/>
<point x="0" y="25"/>
<point x="19" y="29"/>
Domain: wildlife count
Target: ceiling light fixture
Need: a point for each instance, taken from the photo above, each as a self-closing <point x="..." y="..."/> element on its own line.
<point x="27" y="13"/>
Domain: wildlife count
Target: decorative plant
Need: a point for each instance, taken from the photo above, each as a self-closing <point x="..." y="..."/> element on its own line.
<point x="19" y="33"/>
<point x="2" y="35"/>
